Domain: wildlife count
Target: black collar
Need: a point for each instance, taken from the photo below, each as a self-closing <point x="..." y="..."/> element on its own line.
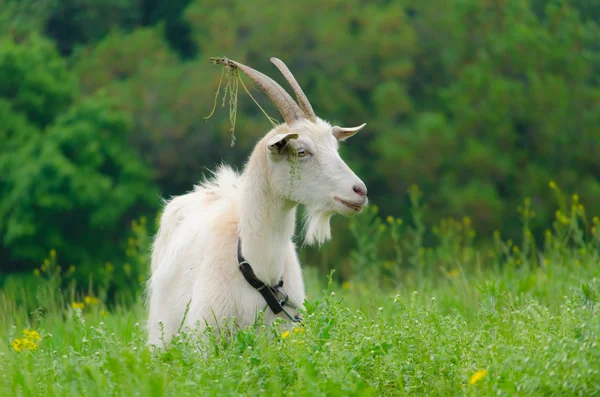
<point x="269" y="293"/>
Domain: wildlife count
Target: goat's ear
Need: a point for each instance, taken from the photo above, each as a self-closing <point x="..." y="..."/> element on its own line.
<point x="280" y="141"/>
<point x="341" y="133"/>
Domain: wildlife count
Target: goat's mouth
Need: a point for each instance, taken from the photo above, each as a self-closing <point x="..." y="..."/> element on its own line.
<point x="353" y="206"/>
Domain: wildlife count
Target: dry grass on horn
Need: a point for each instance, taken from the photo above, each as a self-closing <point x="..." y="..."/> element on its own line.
<point x="230" y="96"/>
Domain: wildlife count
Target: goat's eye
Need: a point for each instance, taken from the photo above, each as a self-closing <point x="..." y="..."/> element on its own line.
<point x="302" y="152"/>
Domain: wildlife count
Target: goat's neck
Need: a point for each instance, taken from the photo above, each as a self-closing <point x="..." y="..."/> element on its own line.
<point x="266" y="224"/>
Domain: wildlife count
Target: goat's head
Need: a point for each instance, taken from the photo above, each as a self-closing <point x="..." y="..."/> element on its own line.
<point x="326" y="185"/>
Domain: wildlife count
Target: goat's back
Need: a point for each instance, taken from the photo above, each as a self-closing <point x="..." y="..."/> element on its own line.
<point x="211" y="199"/>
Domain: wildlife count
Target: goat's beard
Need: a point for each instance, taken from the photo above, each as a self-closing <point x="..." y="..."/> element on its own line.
<point x="316" y="226"/>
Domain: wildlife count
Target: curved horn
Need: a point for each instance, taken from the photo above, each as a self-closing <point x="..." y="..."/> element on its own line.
<point x="300" y="96"/>
<point x="284" y="102"/>
<point x="341" y="133"/>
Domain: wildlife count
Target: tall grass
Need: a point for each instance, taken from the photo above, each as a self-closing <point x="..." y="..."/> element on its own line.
<point x="421" y="311"/>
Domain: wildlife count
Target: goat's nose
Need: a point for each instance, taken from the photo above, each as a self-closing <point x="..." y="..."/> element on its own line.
<point x="360" y="189"/>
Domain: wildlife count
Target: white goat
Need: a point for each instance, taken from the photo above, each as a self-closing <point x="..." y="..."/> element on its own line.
<point x="194" y="257"/>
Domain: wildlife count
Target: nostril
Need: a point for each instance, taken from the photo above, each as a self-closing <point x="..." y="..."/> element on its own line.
<point x="360" y="190"/>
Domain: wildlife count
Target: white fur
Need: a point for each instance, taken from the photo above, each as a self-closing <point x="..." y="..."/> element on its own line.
<point x="194" y="253"/>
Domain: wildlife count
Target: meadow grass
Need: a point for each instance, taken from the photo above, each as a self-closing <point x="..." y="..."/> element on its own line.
<point x="514" y="322"/>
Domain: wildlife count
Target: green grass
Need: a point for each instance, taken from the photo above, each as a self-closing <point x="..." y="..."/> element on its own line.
<point x="529" y="327"/>
<point x="535" y="333"/>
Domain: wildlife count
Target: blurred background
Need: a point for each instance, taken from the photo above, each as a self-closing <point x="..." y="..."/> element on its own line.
<point x="480" y="103"/>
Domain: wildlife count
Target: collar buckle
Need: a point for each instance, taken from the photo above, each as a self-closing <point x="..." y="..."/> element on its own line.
<point x="270" y="294"/>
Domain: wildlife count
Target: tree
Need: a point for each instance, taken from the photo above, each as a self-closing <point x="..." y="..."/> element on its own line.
<point x="69" y="179"/>
<point x="476" y="102"/>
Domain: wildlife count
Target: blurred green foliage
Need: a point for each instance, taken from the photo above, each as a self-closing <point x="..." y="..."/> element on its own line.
<point x="70" y="181"/>
<point x="478" y="102"/>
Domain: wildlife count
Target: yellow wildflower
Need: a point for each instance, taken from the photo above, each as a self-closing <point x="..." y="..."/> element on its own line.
<point x="552" y="185"/>
<point x="596" y="220"/>
<point x="52" y="253"/>
<point x="28" y="344"/>
<point x="285" y="334"/>
<point x="77" y="305"/>
<point x="575" y="198"/>
<point x="398" y="221"/>
<point x="16" y="345"/>
<point x="109" y="267"/>
<point x="467" y="220"/>
<point x="346" y="285"/>
<point x="32" y="335"/>
<point x="561" y="218"/>
<point x="36" y="272"/>
<point x="477" y="376"/>
<point x="299" y="330"/>
<point x="390" y="219"/>
<point x="72" y="269"/>
<point x="382" y="227"/>
<point x="91" y="300"/>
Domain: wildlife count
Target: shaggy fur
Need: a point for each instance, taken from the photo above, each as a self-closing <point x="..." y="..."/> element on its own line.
<point x="194" y="253"/>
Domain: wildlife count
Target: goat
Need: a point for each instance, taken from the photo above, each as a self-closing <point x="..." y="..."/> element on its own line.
<point x="195" y="275"/>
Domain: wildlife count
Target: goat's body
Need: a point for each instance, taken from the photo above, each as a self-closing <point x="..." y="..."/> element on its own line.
<point x="194" y="261"/>
<point x="194" y="258"/>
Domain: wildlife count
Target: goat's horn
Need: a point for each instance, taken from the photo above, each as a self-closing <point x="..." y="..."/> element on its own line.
<point x="284" y="102"/>
<point x="341" y="133"/>
<point x="300" y="96"/>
